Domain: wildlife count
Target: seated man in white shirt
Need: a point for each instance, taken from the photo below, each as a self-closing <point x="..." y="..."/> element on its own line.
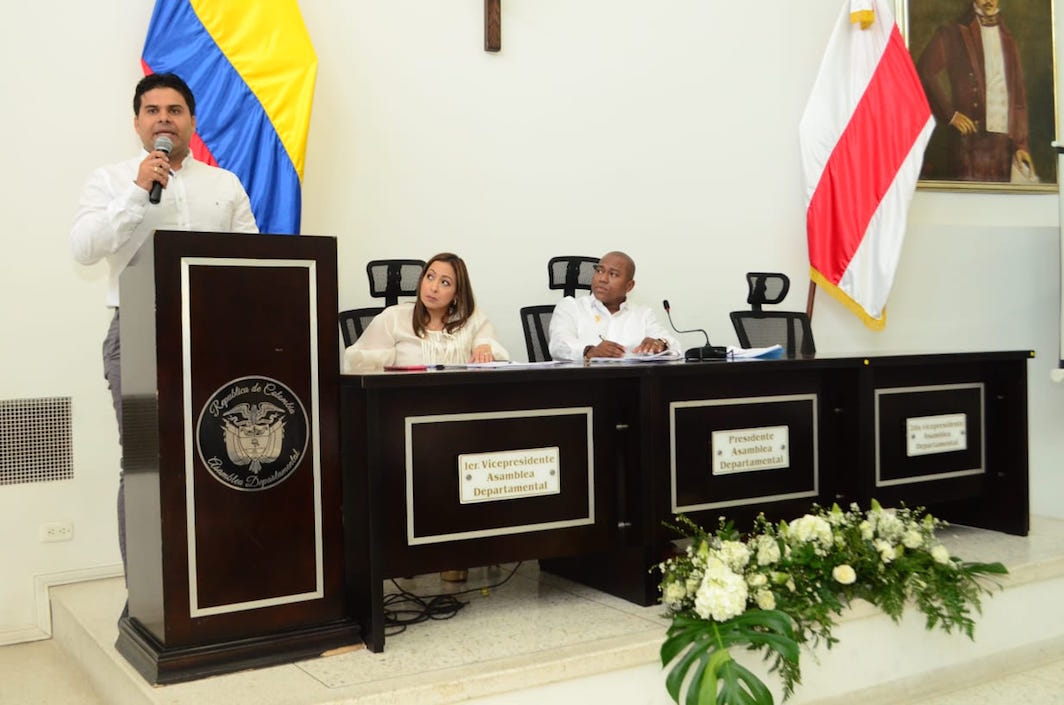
<point x="605" y="324"/>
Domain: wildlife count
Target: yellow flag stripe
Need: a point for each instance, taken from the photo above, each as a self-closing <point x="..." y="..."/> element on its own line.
<point x="268" y="45"/>
<point x="865" y="17"/>
<point x="854" y="307"/>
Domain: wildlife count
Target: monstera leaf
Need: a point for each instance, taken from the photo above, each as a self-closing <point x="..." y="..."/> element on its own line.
<point x="702" y="646"/>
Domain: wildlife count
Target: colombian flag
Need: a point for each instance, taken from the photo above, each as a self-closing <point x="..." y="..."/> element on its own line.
<point x="863" y="136"/>
<point x="251" y="68"/>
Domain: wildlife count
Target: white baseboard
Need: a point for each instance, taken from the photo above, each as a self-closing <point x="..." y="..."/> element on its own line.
<point x="42" y="600"/>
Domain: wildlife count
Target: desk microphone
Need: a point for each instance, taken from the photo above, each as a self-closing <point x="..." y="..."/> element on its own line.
<point x="706" y="352"/>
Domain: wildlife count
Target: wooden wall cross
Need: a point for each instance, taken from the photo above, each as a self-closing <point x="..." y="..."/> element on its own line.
<point x="492" y="25"/>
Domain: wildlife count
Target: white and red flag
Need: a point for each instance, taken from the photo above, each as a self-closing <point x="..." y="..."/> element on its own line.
<point x="862" y="137"/>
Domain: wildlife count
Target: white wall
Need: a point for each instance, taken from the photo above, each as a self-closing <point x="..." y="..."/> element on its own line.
<point x="603" y="124"/>
<point x="67" y="105"/>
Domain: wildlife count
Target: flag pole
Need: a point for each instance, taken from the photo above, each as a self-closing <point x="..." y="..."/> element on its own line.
<point x="1057" y="375"/>
<point x="809" y="300"/>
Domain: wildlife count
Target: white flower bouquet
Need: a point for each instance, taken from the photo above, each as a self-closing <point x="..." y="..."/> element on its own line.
<point x="783" y="585"/>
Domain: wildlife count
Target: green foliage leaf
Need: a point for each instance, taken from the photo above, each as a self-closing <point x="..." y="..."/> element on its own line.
<point x="683" y="631"/>
<point x="706" y="691"/>
<point x="741" y="685"/>
<point x="674" y="680"/>
<point x="694" y="644"/>
<point x="988" y="568"/>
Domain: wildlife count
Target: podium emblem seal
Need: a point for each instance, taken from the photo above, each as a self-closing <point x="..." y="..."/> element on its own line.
<point x="252" y="433"/>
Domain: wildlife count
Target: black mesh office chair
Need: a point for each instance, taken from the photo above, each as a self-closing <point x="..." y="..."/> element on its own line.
<point x="391" y="278"/>
<point x="354" y="321"/>
<point x="388" y="279"/>
<point x="766" y="288"/>
<point x="571" y="272"/>
<point x="535" y="320"/>
<point x="757" y="328"/>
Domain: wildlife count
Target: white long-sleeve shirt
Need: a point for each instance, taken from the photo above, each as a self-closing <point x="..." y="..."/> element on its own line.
<point x="577" y="323"/>
<point x="114" y="217"/>
<point x="389" y="339"/>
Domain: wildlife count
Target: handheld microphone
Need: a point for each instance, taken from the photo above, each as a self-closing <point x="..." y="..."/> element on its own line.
<point x="162" y="144"/>
<point x="706" y="352"/>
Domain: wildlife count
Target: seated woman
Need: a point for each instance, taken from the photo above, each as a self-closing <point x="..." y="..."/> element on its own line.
<point x="443" y="326"/>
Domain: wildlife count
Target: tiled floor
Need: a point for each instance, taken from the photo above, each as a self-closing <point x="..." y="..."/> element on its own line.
<point x="40" y="673"/>
<point x="504" y="629"/>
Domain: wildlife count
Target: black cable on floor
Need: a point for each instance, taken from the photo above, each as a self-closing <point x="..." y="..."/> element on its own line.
<point x="403" y="608"/>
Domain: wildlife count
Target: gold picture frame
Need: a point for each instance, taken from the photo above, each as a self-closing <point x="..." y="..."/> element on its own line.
<point x="943" y="30"/>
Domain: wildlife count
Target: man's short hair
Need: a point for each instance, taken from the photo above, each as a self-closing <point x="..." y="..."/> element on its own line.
<point x="163" y="80"/>
<point x="628" y="260"/>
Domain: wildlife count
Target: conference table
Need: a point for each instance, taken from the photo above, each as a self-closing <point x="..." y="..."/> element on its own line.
<point x="580" y="466"/>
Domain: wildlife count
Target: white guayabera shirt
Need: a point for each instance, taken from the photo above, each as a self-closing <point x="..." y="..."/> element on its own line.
<point x="577" y="323"/>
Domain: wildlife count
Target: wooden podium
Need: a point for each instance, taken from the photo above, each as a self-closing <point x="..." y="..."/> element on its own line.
<point x="231" y="454"/>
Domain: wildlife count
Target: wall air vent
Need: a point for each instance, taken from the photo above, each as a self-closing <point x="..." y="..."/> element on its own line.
<point x="35" y="440"/>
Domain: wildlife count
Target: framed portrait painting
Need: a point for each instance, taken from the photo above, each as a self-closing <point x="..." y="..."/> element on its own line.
<point x="987" y="67"/>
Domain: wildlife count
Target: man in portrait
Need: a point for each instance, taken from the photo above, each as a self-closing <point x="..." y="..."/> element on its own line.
<point x="972" y="75"/>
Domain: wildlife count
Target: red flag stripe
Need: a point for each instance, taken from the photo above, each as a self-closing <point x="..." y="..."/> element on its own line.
<point x="853" y="182"/>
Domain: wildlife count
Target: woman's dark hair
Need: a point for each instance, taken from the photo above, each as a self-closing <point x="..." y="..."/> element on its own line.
<point x="163" y="80"/>
<point x="461" y="306"/>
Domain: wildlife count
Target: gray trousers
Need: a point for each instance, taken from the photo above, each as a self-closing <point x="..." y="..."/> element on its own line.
<point x="112" y="372"/>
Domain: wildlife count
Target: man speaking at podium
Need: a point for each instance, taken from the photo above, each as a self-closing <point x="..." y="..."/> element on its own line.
<point x="606" y="324"/>
<point x="162" y="188"/>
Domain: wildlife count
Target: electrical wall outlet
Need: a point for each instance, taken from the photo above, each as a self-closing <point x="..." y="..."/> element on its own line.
<point x="57" y="531"/>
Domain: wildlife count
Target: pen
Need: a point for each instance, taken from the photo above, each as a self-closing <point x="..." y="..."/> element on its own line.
<point x="411" y="368"/>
